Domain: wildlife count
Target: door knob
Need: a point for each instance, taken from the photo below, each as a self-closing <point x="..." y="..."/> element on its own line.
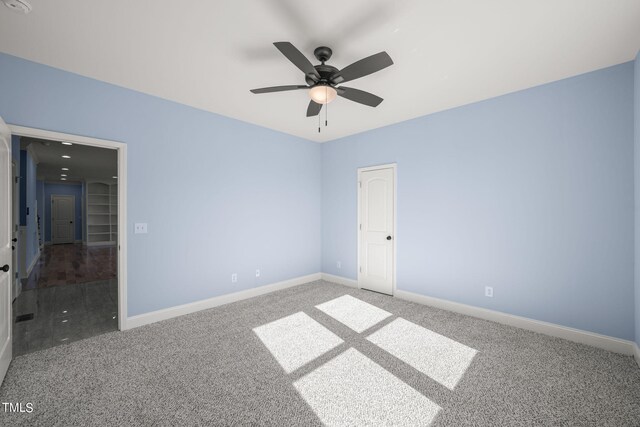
<point x="388" y="237"/>
<point x="15" y="239"/>
<point x="5" y="268"/>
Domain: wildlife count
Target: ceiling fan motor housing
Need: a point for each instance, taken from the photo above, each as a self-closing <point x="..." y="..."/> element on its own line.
<point x="325" y="71"/>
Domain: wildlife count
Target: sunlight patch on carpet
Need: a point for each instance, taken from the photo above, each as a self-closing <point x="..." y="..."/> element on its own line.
<point x="435" y="355"/>
<point x="296" y="340"/>
<point x="354" y="313"/>
<point x="351" y="389"/>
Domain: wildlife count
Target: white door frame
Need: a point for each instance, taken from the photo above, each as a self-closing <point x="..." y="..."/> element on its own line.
<point x="393" y="166"/>
<point x="122" y="200"/>
<point x="6" y="353"/>
<point x="73" y="240"/>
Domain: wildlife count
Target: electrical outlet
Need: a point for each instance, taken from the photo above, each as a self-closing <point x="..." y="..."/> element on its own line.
<point x="257" y="273"/>
<point x="234" y="278"/>
<point x="140" y="228"/>
<point x="339" y="264"/>
<point x="488" y="291"/>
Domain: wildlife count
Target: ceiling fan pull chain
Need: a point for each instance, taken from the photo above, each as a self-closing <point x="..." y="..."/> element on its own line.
<point x="318" y="123"/>
<point x="326" y="110"/>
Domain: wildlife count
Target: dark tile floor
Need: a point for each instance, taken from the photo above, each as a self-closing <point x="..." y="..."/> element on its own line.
<point x="62" y="314"/>
<point x="72" y="263"/>
<point x="72" y="293"/>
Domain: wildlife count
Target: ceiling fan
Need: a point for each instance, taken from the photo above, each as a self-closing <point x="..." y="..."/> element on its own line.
<point x="322" y="79"/>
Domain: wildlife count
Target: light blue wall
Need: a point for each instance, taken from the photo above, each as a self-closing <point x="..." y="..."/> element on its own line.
<point x="64" y="190"/>
<point x="220" y="196"/>
<point x="28" y="205"/>
<point x="636" y="116"/>
<point x="531" y="193"/>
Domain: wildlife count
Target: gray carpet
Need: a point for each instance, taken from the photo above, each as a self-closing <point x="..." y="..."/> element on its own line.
<point x="210" y="368"/>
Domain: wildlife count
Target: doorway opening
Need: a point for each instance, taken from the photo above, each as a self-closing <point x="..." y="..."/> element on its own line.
<point x="68" y="242"/>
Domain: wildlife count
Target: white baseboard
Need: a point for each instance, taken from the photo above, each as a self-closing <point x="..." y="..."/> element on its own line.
<point x="637" y="355"/>
<point x="168" y="313"/>
<point x="576" y="335"/>
<point x="31" y="266"/>
<point x="339" y="280"/>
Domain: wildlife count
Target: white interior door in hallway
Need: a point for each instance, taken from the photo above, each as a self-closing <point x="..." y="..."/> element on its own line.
<point x="62" y="216"/>
<point x="376" y="229"/>
<point x="6" y="269"/>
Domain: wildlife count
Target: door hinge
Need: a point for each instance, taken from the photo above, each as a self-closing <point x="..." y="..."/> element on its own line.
<point x="360" y="269"/>
<point x="360" y="182"/>
<point x="360" y="227"/>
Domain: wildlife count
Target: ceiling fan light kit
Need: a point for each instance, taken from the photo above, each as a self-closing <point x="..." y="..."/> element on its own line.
<point x="323" y="80"/>
<point x="322" y="93"/>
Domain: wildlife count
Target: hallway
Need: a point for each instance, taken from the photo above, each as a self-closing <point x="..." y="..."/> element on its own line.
<point x="63" y="314"/>
<point x="72" y="263"/>
<point x="71" y="294"/>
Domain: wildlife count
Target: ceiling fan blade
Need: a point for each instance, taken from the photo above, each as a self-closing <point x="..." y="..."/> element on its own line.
<point x="298" y="59"/>
<point x="278" y="89"/>
<point x="359" y="96"/>
<point x="364" y="67"/>
<point x="313" y="109"/>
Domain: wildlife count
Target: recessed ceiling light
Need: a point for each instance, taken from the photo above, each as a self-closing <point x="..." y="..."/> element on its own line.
<point x="63" y="174"/>
<point x="18" y="6"/>
<point x="65" y="169"/>
<point x="66" y="143"/>
<point x="66" y="157"/>
<point x="63" y="179"/>
<point x="114" y="177"/>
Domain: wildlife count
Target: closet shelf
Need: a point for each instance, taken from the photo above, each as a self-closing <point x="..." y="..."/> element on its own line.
<point x="101" y="208"/>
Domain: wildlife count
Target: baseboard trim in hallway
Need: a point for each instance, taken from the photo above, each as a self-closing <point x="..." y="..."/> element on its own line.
<point x="605" y="342"/>
<point x="31" y="266"/>
<point x="637" y="355"/>
<point x="180" y="310"/>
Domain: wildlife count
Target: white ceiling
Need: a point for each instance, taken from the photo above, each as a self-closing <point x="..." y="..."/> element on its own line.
<point x="208" y="54"/>
<point x="85" y="162"/>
